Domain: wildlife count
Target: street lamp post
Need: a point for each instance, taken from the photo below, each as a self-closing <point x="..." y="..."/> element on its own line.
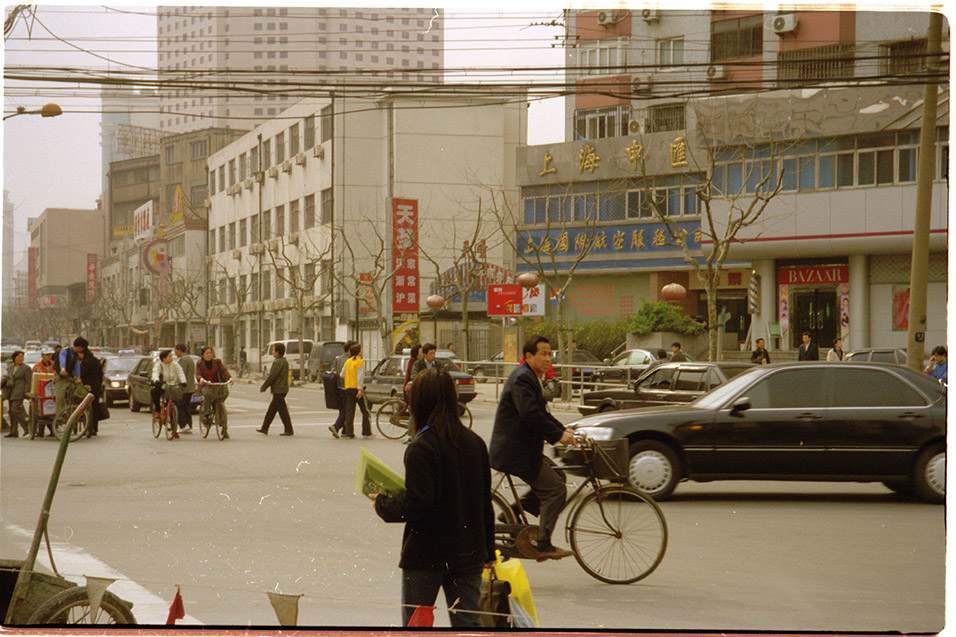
<point x="48" y="110"/>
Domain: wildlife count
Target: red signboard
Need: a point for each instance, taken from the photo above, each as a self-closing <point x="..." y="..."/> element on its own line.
<point x="90" y="277"/>
<point x="31" y="278"/>
<point x="365" y="293"/>
<point x="405" y="255"/>
<point x="505" y="300"/>
<point x="811" y="275"/>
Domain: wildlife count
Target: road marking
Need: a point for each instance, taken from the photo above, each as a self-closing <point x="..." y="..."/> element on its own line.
<point x="147" y="607"/>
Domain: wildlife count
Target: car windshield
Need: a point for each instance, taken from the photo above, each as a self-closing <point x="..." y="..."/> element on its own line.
<point x="716" y="397"/>
<point x="120" y="364"/>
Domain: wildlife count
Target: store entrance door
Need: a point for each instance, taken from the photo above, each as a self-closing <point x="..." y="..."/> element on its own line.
<point x="815" y="311"/>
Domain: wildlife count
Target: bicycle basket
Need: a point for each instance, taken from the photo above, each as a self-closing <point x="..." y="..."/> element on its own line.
<point x="609" y="465"/>
<point x="174" y="393"/>
<point x="216" y="392"/>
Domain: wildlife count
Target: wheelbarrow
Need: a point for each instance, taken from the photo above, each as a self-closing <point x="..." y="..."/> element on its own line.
<point x="28" y="597"/>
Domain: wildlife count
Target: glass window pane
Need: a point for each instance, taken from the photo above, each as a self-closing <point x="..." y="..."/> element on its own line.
<point x="734" y="177"/>
<point x="677" y="51"/>
<point x="753" y="175"/>
<point x="907" y="166"/>
<point x="554" y="211"/>
<point x="845" y="170"/>
<point x="807" y="170"/>
<point x="539" y="207"/>
<point x="866" y="169"/>
<point x="789" y="174"/>
<point x="776" y="391"/>
<point x="827" y="171"/>
<point x="874" y="388"/>
<point x="719" y="180"/>
<point x="673" y="201"/>
<point x="690" y="201"/>
<point x="633" y="204"/>
<point x="884" y="167"/>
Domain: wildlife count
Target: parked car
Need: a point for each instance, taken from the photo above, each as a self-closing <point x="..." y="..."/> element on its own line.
<point x="493" y="367"/>
<point x="12" y="341"/>
<point x="666" y="384"/>
<point x="625" y="367"/>
<point x="388" y="378"/>
<point x="321" y="358"/>
<point x="31" y="345"/>
<point x="32" y="357"/>
<point x="116" y="370"/>
<point x="7" y="351"/>
<point x="583" y="366"/>
<point x="140" y="382"/>
<point x="52" y="344"/>
<point x="291" y="354"/>
<point x="875" y="355"/>
<point x="792" y="421"/>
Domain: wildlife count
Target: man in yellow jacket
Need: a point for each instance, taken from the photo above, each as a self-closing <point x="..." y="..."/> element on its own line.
<point x="354" y="374"/>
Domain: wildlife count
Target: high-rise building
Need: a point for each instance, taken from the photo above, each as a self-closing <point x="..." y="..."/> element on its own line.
<point x="129" y="126"/>
<point x="236" y="67"/>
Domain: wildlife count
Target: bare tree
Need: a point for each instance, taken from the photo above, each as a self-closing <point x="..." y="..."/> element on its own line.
<point x="297" y="262"/>
<point x="572" y="231"/>
<point x="186" y="297"/>
<point x="119" y="300"/>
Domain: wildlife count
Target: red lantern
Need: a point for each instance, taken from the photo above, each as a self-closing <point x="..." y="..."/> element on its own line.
<point x="435" y="301"/>
<point x="528" y="279"/>
<point x="673" y="292"/>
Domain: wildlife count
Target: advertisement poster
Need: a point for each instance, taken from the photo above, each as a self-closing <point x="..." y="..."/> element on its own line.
<point x="533" y="302"/>
<point x="143" y="221"/>
<point x="901" y="308"/>
<point x="504" y="300"/>
<point x="405" y="255"/>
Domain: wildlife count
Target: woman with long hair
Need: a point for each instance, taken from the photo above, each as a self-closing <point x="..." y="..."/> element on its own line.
<point x="446" y="505"/>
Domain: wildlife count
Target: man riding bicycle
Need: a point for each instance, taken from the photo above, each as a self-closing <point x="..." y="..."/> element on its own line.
<point x="522" y="423"/>
<point x="210" y="369"/>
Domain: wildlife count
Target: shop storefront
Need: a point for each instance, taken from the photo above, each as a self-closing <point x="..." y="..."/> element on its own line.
<point x="814" y="299"/>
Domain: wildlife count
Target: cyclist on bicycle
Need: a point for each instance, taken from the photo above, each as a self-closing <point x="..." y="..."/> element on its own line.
<point x="211" y="370"/>
<point x="166" y="373"/>
<point x="522" y="423"/>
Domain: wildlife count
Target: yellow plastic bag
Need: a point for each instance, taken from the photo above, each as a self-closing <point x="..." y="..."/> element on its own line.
<point x="512" y="572"/>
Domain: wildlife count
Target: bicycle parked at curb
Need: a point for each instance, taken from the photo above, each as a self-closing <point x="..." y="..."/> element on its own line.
<point x="167" y="417"/>
<point x="392" y="417"/>
<point x="617" y="534"/>
<point x="216" y="415"/>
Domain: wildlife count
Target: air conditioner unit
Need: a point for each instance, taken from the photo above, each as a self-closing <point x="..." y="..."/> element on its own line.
<point x="641" y="84"/>
<point x="636" y="126"/>
<point x="273" y="172"/>
<point x="287" y="166"/>
<point x="716" y="72"/>
<point x="606" y="18"/>
<point x="319" y="151"/>
<point x="274" y="243"/>
<point x="247" y="183"/>
<point x="650" y="15"/>
<point x="207" y="202"/>
<point x="210" y="259"/>
<point x="259" y="176"/>
<point x="256" y="248"/>
<point x="236" y="254"/>
<point x="292" y="239"/>
<point x="234" y="189"/>
<point x="300" y="159"/>
<point x="785" y="23"/>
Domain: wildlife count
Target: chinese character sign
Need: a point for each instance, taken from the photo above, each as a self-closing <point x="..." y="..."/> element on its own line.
<point x="90" y="277"/>
<point x="143" y="221"/>
<point x="533" y="302"/>
<point x="405" y="255"/>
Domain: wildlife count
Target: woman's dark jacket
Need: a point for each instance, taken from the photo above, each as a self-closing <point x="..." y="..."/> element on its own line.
<point x="91" y="371"/>
<point x="446" y="504"/>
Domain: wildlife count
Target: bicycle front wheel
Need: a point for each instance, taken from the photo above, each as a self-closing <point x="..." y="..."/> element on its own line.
<point x="172" y="417"/>
<point x="618" y="535"/>
<point x="79" y="429"/>
<point x="205" y="422"/>
<point x="392" y="419"/>
<point x="157" y="425"/>
<point x="220" y="412"/>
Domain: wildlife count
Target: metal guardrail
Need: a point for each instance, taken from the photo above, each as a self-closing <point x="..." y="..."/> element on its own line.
<point x="577" y="381"/>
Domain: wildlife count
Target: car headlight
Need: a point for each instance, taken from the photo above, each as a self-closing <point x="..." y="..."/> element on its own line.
<point x="596" y="433"/>
<point x="116" y="383"/>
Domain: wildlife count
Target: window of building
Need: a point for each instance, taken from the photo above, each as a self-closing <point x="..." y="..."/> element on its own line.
<point x="242" y="166"/>
<point x="197" y="149"/>
<point x="254" y="229"/>
<point x="737" y="38"/>
<point x="212" y="241"/>
<point x="222" y="178"/>
<point x="670" y="52"/>
<point x="232" y="236"/>
<point x="294" y="140"/>
<point x="222" y="239"/>
<point x="170" y="154"/>
<point x="232" y="172"/>
<point x="326" y="206"/>
<point x="266" y="153"/>
<point x="243" y="232"/>
<point x="822" y="63"/>
<point x="280" y="147"/>
<point x="266" y="285"/>
<point x="254" y="293"/>
<point x="197" y="195"/>
<point x="598" y="123"/>
<point x="602" y="57"/>
<point x="309" y="132"/>
<point x="212" y="183"/>
<point x="326" y="123"/>
<point x="280" y="220"/>
<point x="665" y="117"/>
<point x="279" y="287"/>
<point x="266" y="224"/>
<point x="903" y="58"/>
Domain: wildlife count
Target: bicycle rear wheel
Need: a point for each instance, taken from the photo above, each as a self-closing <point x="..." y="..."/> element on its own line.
<point x="220" y="411"/>
<point x="618" y="535"/>
<point x="72" y="606"/>
<point x="504" y="514"/>
<point x="79" y="429"/>
<point x="205" y="422"/>
<point x="392" y="419"/>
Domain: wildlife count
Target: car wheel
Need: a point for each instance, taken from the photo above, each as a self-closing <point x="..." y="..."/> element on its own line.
<point x="133" y="404"/>
<point x="929" y="474"/>
<point x="653" y="469"/>
<point x="607" y="407"/>
<point x="902" y="487"/>
<point x="479" y="374"/>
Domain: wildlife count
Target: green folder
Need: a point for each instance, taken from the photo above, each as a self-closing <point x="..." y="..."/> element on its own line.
<point x="374" y="476"/>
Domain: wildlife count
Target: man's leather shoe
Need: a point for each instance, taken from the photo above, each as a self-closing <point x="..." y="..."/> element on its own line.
<point x="552" y="553"/>
<point x="263" y="431"/>
<point x="225" y="435"/>
<point x="335" y="432"/>
<point x="286" y="433"/>
<point x="13" y="435"/>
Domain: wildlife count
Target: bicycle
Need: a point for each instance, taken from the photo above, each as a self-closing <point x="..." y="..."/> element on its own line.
<point x="167" y="417"/>
<point x="617" y="534"/>
<point x="70" y="402"/>
<point x="217" y="414"/>
<point x="392" y="417"/>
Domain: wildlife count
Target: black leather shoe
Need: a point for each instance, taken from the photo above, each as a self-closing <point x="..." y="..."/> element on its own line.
<point x="263" y="431"/>
<point x="225" y="435"/>
<point x="12" y="436"/>
<point x="287" y="433"/>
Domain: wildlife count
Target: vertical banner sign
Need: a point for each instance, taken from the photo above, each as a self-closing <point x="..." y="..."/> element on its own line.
<point x="365" y="293"/>
<point x="405" y="255"/>
<point x="143" y="221"/>
<point x="90" y="277"/>
<point x="32" y="278"/>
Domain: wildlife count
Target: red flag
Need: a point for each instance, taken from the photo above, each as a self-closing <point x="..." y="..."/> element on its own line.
<point x="423" y="617"/>
<point x="176" y="610"/>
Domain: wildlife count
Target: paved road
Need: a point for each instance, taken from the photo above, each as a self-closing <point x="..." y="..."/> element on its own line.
<point x="228" y="521"/>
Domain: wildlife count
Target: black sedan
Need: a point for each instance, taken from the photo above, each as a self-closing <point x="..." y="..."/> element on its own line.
<point x="139" y="383"/>
<point x="665" y="384"/>
<point x="388" y="377"/>
<point x="116" y="370"/>
<point x="793" y="421"/>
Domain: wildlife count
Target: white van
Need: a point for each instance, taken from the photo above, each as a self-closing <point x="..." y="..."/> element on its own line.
<point x="291" y="355"/>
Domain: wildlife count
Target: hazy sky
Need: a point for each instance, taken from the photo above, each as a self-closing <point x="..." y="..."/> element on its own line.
<point x="56" y="162"/>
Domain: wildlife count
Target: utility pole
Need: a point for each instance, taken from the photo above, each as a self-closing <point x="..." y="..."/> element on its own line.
<point x="916" y="332"/>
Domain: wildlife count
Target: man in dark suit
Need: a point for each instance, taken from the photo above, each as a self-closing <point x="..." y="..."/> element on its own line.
<point x="522" y="424"/>
<point x="808" y="350"/>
